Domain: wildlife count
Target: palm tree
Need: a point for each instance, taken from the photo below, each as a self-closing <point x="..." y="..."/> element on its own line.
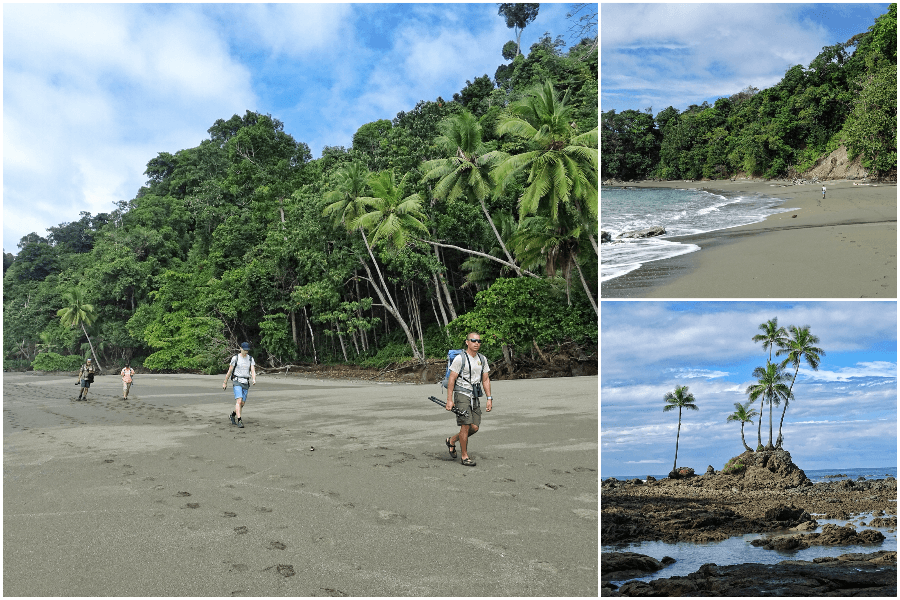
<point x="801" y="346"/>
<point x="772" y="335"/>
<point x="465" y="173"/>
<point x="770" y="387"/>
<point x="390" y="217"/>
<point x="78" y="313"/>
<point x="680" y="398"/>
<point x="742" y="414"/>
<point x="540" y="242"/>
<point x="561" y="164"/>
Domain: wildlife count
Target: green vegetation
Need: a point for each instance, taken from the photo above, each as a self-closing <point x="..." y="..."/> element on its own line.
<point x="846" y="95"/>
<point x="470" y="213"/>
<point x="744" y="414"/>
<point x="733" y="467"/>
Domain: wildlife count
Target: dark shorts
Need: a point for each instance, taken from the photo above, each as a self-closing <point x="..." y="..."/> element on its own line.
<point x="461" y="401"/>
<point x="85" y="383"/>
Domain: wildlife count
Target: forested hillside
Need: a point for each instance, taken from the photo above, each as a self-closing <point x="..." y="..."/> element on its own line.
<point x="846" y="96"/>
<point x="477" y="212"/>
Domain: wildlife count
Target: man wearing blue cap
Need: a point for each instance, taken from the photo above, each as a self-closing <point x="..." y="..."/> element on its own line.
<point x="244" y="369"/>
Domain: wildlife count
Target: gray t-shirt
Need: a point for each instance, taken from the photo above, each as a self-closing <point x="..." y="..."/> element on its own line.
<point x="479" y="365"/>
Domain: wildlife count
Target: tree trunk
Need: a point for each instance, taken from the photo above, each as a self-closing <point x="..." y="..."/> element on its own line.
<point x="769" y="446"/>
<point x="499" y="239"/>
<point x="294" y="328"/>
<point x="443" y="281"/>
<point x="394" y="313"/>
<point x="312" y="337"/>
<point x="762" y="411"/>
<point x="586" y="288"/>
<point x="507" y="356"/>
<point x="748" y="448"/>
<point x="790" y="392"/>
<point x="481" y="254"/>
<point x="437" y="292"/>
<point x="675" y="466"/>
<point x="99" y="368"/>
<point x="341" y="340"/>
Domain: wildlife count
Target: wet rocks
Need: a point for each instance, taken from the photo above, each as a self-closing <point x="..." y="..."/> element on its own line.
<point x="643" y="233"/>
<point x="605" y="236"/>
<point x="872" y="574"/>
<point x="831" y="535"/>
<point x="617" y="566"/>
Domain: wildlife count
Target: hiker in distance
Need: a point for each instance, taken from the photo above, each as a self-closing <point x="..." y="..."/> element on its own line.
<point x="467" y="382"/>
<point x="127" y="380"/>
<point x="242" y="371"/>
<point x="85" y="378"/>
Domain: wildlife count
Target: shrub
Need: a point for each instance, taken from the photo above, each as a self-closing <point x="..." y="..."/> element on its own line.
<point x="733" y="467"/>
<point x="51" y="361"/>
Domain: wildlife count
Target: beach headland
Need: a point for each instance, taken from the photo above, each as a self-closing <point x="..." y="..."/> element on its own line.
<point x="334" y="487"/>
<point x="768" y="494"/>
<point x="844" y="246"/>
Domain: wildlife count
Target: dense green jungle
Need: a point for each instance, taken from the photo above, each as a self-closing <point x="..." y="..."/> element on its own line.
<point x="847" y="96"/>
<point x="473" y="213"/>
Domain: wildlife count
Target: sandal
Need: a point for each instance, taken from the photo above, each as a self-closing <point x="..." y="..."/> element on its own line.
<point x="468" y="462"/>
<point x="452" y="448"/>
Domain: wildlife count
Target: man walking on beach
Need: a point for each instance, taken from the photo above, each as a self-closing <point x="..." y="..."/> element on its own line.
<point x="823" y="192"/>
<point x="127" y="380"/>
<point x="244" y="368"/>
<point x="86" y="377"/>
<point x="468" y="377"/>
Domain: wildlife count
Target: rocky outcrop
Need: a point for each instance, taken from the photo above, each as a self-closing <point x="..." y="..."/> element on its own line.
<point x="605" y="236"/>
<point x="618" y="566"/>
<point x="872" y="574"/>
<point x="710" y="470"/>
<point x="831" y="535"/>
<point x="643" y="233"/>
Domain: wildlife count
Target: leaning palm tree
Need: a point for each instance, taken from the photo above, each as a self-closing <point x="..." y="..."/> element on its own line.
<point x="744" y="414"/>
<point x="679" y="399"/>
<point x="465" y="172"/>
<point x="78" y="313"/>
<point x="772" y="335"/>
<point x="771" y="387"/>
<point x="561" y="164"/>
<point x="391" y="217"/>
<point x="801" y="346"/>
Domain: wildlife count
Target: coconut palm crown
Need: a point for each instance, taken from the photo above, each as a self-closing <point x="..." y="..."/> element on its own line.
<point x="771" y="386"/>
<point x="744" y="414"/>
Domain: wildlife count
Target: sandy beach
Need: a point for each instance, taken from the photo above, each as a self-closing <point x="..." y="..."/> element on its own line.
<point x="842" y="247"/>
<point x="332" y="488"/>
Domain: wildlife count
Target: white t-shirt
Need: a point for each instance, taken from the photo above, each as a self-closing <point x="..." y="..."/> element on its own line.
<point x="459" y="365"/>
<point x="242" y="367"/>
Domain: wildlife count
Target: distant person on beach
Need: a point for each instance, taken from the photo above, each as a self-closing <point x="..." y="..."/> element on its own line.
<point x="470" y="371"/>
<point x="127" y="380"/>
<point x="244" y="369"/>
<point x="86" y="377"/>
<point x="823" y="192"/>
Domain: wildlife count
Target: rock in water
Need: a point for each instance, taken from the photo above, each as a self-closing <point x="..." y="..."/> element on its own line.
<point x="616" y="566"/>
<point x="643" y="233"/>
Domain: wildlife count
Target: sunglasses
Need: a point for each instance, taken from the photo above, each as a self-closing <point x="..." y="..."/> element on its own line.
<point x="475" y="341"/>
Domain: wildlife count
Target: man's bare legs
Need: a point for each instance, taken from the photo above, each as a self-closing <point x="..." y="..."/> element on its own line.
<point x="465" y="432"/>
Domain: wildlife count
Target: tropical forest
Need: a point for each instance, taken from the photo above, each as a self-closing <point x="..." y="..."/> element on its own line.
<point x="474" y="213"/>
<point x="845" y="98"/>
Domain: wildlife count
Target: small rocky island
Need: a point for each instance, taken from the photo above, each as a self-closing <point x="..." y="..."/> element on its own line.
<point x="756" y="492"/>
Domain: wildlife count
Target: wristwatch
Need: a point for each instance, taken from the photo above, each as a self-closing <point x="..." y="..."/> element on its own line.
<point x="490" y="397"/>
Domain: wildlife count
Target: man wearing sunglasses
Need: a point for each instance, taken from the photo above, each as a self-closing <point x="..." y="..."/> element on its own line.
<point x="468" y="377"/>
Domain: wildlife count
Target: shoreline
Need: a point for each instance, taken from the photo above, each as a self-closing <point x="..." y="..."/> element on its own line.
<point x="842" y="247"/>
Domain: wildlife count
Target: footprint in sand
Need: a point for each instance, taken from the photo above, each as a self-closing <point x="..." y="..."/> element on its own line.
<point x="241" y="530"/>
<point x="192" y="505"/>
<point x="230" y="514"/>
<point x="276" y="546"/>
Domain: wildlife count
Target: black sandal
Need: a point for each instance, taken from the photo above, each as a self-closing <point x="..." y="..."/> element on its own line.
<point x="468" y="462"/>
<point x="452" y="448"/>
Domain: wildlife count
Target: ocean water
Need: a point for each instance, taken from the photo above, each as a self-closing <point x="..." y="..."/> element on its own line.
<point x="681" y="212"/>
<point x="735" y="550"/>
<point x="815" y="475"/>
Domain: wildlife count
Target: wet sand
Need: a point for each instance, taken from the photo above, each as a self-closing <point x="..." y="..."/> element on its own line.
<point x="332" y="488"/>
<point x="842" y="247"/>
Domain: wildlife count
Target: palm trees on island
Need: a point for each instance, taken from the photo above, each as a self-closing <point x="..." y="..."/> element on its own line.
<point x="773" y="385"/>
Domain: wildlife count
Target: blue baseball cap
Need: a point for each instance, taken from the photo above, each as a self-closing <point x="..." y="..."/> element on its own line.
<point x="245" y="346"/>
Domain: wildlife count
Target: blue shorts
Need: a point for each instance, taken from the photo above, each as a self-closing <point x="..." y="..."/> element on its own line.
<point x="240" y="392"/>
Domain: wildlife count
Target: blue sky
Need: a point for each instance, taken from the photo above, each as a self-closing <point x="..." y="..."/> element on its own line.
<point x="92" y="92"/>
<point x="659" y="55"/>
<point x="843" y="416"/>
